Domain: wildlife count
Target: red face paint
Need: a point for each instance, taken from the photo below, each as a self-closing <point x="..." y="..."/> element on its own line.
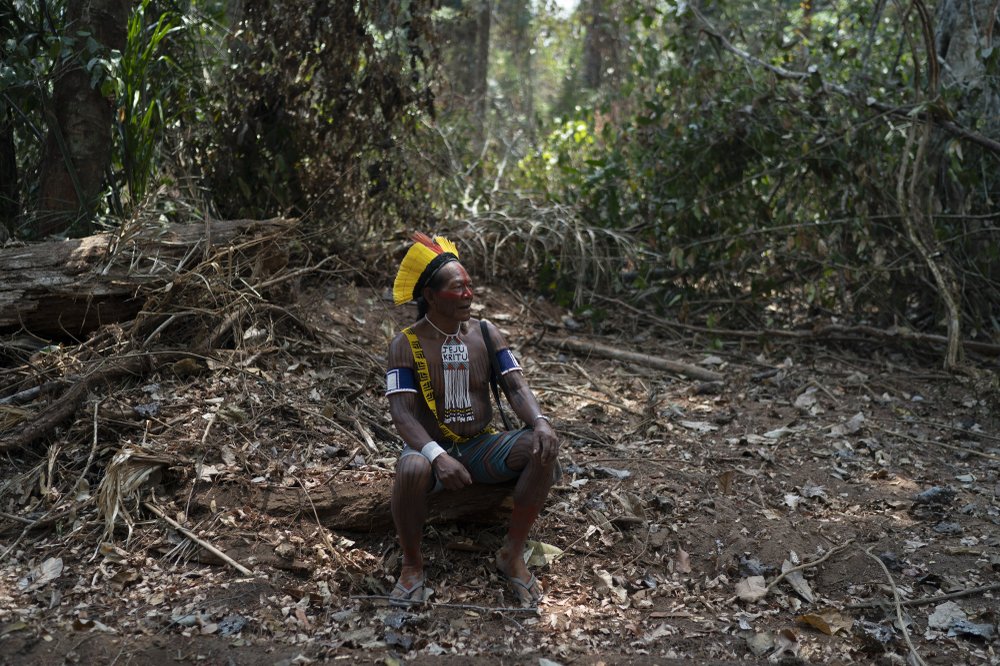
<point x="458" y="288"/>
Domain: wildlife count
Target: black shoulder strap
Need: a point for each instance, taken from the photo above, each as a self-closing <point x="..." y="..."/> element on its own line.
<point x="494" y="372"/>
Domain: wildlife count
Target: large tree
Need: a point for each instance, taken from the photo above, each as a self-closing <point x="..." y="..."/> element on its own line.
<point x="77" y="152"/>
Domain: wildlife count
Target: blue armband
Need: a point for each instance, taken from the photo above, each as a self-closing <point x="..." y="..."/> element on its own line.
<point x="506" y="361"/>
<point x="400" y="380"/>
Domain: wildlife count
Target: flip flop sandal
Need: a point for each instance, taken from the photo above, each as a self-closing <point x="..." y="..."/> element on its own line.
<point x="531" y="601"/>
<point x="406" y="598"/>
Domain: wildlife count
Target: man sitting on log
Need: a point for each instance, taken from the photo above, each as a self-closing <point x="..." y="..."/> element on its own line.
<point x="438" y="385"/>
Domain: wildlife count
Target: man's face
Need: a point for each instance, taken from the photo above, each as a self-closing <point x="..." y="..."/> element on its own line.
<point x="454" y="299"/>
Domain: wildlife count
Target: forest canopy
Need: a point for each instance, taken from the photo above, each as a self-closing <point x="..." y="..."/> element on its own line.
<point x="732" y="165"/>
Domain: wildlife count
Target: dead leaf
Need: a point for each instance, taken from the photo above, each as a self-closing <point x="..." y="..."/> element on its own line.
<point x="806" y="399"/>
<point x="828" y="621"/>
<point x="945" y="615"/>
<point x="539" y="554"/>
<point x="682" y="563"/>
<point x="751" y="589"/>
<point x="725" y="481"/>
<point x="699" y="426"/>
<point x="124" y="578"/>
<point x="761" y="643"/>
<point x="797" y="582"/>
<point x="778" y="433"/>
<point x="607" y="585"/>
<point x="809" y="490"/>
<point x="849" y="427"/>
<point x="786" y="645"/>
<point x="43" y="574"/>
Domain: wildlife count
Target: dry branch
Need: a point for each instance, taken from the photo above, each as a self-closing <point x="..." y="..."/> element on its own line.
<point x="201" y="542"/>
<point x="63" y="408"/>
<point x="596" y="349"/>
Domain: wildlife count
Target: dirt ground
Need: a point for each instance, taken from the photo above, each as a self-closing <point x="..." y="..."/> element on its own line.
<point x="868" y="474"/>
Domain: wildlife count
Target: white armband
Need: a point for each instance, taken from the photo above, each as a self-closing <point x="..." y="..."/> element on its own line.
<point x="431" y="450"/>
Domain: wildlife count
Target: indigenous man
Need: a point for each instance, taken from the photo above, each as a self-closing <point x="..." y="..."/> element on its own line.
<point x="438" y="387"/>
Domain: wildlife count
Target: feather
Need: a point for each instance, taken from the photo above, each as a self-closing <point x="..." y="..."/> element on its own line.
<point x="422" y="252"/>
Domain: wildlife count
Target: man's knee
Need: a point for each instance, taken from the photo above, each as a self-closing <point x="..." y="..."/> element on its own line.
<point x="413" y="472"/>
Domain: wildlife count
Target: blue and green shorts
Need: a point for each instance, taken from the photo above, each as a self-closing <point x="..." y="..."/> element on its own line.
<point x="485" y="456"/>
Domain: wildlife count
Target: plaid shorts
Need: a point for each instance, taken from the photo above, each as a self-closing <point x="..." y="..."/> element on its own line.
<point x="485" y="456"/>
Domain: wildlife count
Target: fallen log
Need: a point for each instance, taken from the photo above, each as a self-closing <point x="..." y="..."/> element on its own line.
<point x="355" y="507"/>
<point x="596" y="349"/>
<point x="67" y="288"/>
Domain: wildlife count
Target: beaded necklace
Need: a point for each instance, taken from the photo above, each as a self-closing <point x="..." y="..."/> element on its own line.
<point x="455" y="364"/>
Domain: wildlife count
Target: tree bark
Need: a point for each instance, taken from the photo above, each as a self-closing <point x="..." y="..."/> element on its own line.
<point x="468" y="59"/>
<point x="349" y="505"/>
<point x="77" y="150"/>
<point x="9" y="200"/>
<point x="599" y="45"/>
<point x="69" y="287"/>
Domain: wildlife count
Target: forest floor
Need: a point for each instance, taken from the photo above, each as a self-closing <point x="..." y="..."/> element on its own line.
<point x="867" y="473"/>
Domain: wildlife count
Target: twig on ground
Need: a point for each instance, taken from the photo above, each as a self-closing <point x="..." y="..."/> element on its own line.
<point x="201" y="542"/>
<point x="18" y="519"/>
<point x="577" y="393"/>
<point x="645" y="360"/>
<point x="319" y="525"/>
<point x="825" y="390"/>
<point x="346" y="462"/>
<point x="924" y="601"/>
<point x="593" y="382"/>
<point x="810" y="564"/>
<point x="899" y="608"/>
<point x="805" y="565"/>
<point x="952" y="447"/>
<point x="408" y="602"/>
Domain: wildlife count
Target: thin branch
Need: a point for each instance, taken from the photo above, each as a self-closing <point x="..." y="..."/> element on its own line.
<point x="924" y="601"/>
<point x="409" y="602"/>
<point x="899" y="609"/>
<point x="201" y="542"/>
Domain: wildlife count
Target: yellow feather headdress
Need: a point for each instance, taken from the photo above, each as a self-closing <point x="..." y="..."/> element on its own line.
<point x="422" y="260"/>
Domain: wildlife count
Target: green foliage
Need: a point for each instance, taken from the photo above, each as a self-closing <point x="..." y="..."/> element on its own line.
<point x="315" y="100"/>
<point x="761" y="188"/>
<point x="143" y="71"/>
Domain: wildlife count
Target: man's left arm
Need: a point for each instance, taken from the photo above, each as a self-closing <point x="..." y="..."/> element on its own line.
<point x="524" y="403"/>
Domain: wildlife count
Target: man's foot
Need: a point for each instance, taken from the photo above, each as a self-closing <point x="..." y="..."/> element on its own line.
<point x="522" y="582"/>
<point x="409" y="588"/>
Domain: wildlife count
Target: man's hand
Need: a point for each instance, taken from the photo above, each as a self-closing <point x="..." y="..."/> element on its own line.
<point x="545" y="444"/>
<point x="451" y="473"/>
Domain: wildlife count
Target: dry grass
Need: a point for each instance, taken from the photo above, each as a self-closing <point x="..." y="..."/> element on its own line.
<point x="516" y="244"/>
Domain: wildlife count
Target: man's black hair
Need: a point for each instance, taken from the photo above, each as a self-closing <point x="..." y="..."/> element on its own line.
<point x="434" y="281"/>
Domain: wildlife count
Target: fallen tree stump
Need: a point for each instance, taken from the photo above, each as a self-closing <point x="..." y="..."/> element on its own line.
<point x="353" y="507"/>
<point x="66" y="288"/>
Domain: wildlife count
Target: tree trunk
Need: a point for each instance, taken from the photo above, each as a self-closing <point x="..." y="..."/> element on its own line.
<point x="599" y="46"/>
<point x="468" y="58"/>
<point x="68" y="288"/>
<point x="77" y="150"/>
<point x="9" y="201"/>
<point x="516" y="15"/>
<point x="347" y="505"/>
<point x="482" y="69"/>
